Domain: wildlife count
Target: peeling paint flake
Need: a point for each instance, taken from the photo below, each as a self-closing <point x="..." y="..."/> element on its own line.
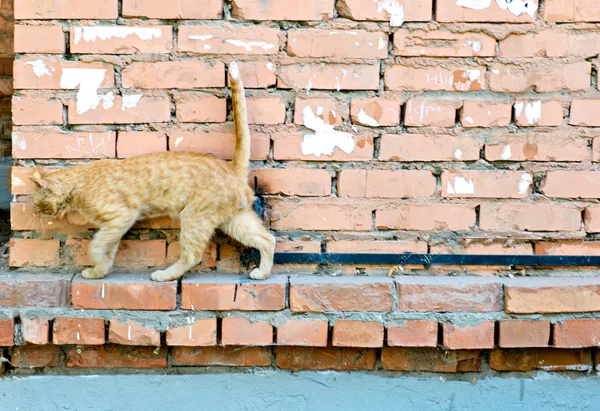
<point x="533" y="112"/>
<point x="130" y="101"/>
<point x="458" y="154"/>
<point x="474" y="4"/>
<point x="249" y="44"/>
<point x="325" y="138"/>
<point x="394" y="9"/>
<point x="506" y="154"/>
<point x="366" y="119"/>
<point x="88" y="81"/>
<point x="461" y="186"/>
<point x="39" y="68"/>
<point x="525" y="183"/>
<point x="91" y="34"/>
<point x="518" y="7"/>
<point x="201" y="37"/>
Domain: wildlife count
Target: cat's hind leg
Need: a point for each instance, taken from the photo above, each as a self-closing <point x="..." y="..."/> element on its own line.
<point x="249" y="230"/>
<point x="197" y="229"/>
<point x="103" y="246"/>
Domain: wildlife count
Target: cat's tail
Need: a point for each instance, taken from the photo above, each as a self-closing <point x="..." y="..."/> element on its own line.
<point x="241" y="157"/>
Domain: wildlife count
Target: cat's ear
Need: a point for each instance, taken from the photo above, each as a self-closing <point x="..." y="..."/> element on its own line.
<point x="41" y="171"/>
<point x="39" y="182"/>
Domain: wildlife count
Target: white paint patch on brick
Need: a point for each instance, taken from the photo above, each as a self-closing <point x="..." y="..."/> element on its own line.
<point x="473" y="74"/>
<point x="270" y="66"/>
<point x="518" y="109"/>
<point x="248" y="45"/>
<point x="325" y="138"/>
<point x="506" y="154"/>
<point x="91" y="34"/>
<point x="17" y="182"/>
<point x="458" y="154"/>
<point x="461" y="186"/>
<point x="178" y="141"/>
<point x="533" y="112"/>
<point x="130" y="101"/>
<point x="108" y="100"/>
<point x="474" y="4"/>
<point x="394" y="9"/>
<point x="19" y="142"/>
<point x="469" y="119"/>
<point x="525" y="183"/>
<point x="201" y="37"/>
<point x="518" y="7"/>
<point x="88" y="81"/>
<point x="474" y="44"/>
<point x="366" y="119"/>
<point x="39" y="68"/>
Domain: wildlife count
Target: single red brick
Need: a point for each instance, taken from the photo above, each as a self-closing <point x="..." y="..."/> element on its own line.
<point x="485" y="114"/>
<point x="124" y="292"/>
<point x="34" y="253"/>
<point x="319" y="214"/>
<point x="116" y="356"/>
<point x="313" y="76"/>
<point x="571" y="184"/>
<point x="545" y="359"/>
<point x="439" y="43"/>
<point x="266" y="110"/>
<point x="35" y="330"/>
<point x="375" y="112"/>
<point x="434" y="78"/>
<point x="591" y="218"/>
<point x="174" y="9"/>
<point x="448" y="294"/>
<point x="292" y="181"/>
<point x="320" y="294"/>
<point x="41" y="145"/>
<point x="130" y="254"/>
<point x="585" y="113"/>
<point x="34" y="290"/>
<point x="327" y="358"/>
<point x="227" y="356"/>
<point x="415" y="147"/>
<point x="36" y="111"/>
<point x="132" y="333"/>
<point x="240" y="331"/>
<point x="486" y="184"/>
<point x="31" y="356"/>
<point x="78" y="331"/>
<point x="538" y="113"/>
<point x="201" y="108"/>
<point x="553" y="42"/>
<point x="386" y="183"/>
<point x="530" y="76"/>
<point x="448" y="217"/>
<point x="65" y="9"/>
<point x="174" y="74"/>
<point x="524" y="333"/>
<point x="530" y="217"/>
<point x="305" y="332"/>
<point x="480" y="336"/>
<point x="225" y="39"/>
<point x="197" y="333"/>
<point x="300" y="10"/>
<point x="289" y="147"/>
<point x="337" y="43"/>
<point x="228" y="292"/>
<point x="39" y="39"/>
<point x="536" y="148"/>
<point x="48" y="73"/>
<point x="571" y="10"/>
<point x="366" y="247"/>
<point x="136" y="143"/>
<point x="577" y="333"/>
<point x="430" y="359"/>
<point x="450" y="11"/>
<point x="351" y="333"/>
<point x="413" y="333"/>
<point x="144" y="109"/>
<point x="575" y="247"/>
<point x="7" y="332"/>
<point x="219" y="144"/>
<point x="551" y="295"/>
<point x="412" y="10"/>
<point x="426" y="113"/>
<point x="121" y="39"/>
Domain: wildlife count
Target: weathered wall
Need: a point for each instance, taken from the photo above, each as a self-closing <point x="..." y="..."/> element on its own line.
<point x="383" y="126"/>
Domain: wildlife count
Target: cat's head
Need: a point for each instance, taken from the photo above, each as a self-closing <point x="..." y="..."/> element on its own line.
<point x="51" y="197"/>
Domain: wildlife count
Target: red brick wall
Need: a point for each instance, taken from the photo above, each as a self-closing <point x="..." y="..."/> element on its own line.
<point x="462" y="130"/>
<point x="6" y="63"/>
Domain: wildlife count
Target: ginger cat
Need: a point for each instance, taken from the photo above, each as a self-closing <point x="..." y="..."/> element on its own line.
<point x="203" y="192"/>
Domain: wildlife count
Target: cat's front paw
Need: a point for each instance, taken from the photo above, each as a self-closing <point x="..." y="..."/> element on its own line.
<point x="92" y="274"/>
<point x="257" y="274"/>
<point x="162" y="275"/>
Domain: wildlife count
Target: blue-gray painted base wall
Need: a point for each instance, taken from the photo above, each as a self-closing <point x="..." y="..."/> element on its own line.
<point x="279" y="390"/>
